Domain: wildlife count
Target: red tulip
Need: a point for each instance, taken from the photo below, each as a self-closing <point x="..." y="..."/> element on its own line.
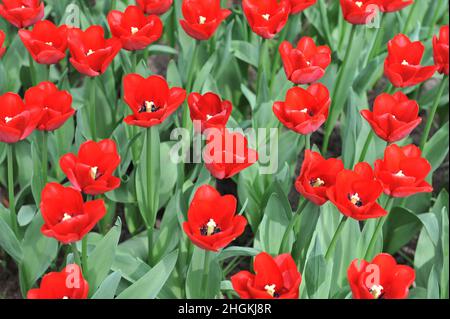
<point x="355" y="193"/>
<point x="212" y="223"/>
<point x="402" y="65"/>
<point x="46" y="43"/>
<point x="150" y="99"/>
<point x="304" y="111"/>
<point x="275" y="278"/>
<point x="135" y="30"/>
<point x="66" y="217"/>
<point x="202" y="17"/>
<point x="66" y="284"/>
<point x="393" y="117"/>
<point x="16" y="122"/>
<point x="90" y="52"/>
<point x="393" y="5"/>
<point x="403" y="171"/>
<point x="2" y="42"/>
<point x="359" y="12"/>
<point x="157" y="7"/>
<point x="209" y="109"/>
<point x="307" y="62"/>
<point x="54" y="105"/>
<point x="266" y="18"/>
<point x="91" y="171"/>
<point x="382" y="278"/>
<point x="226" y="154"/>
<point x="316" y="176"/>
<point x="440" y="50"/>
<point x="22" y="13"/>
<point x="298" y="6"/>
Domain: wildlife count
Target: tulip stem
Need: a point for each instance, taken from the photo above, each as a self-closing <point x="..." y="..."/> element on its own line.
<point x="206" y="264"/>
<point x="307" y="141"/>
<point x="432" y="113"/>
<point x="32" y="70"/>
<point x="366" y="146"/>
<point x="44" y="156"/>
<point x="12" y="204"/>
<point x="84" y="255"/>
<point x="409" y="18"/>
<point x="343" y="69"/>
<point x="376" y="42"/>
<point x="76" y="254"/>
<point x="92" y="108"/>
<point x="335" y="238"/>
<point x="378" y="229"/>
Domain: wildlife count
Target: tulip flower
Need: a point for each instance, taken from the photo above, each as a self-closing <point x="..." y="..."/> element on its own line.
<point x="211" y="221"/>
<point x="16" y="121"/>
<point x="66" y="284"/>
<point x="393" y="117"/>
<point x="355" y="193"/>
<point x="91" y="170"/>
<point x="46" y="43"/>
<point x="90" y="52"/>
<point x="226" y="154"/>
<point x="275" y="278"/>
<point x="150" y="99"/>
<point x="304" y="111"/>
<point x="209" y="109"/>
<point x="22" y="13"/>
<point x="2" y="42"/>
<point x="440" y="50"/>
<point x="393" y="5"/>
<point x="307" y="62"/>
<point x="266" y="18"/>
<point x="135" y="30"/>
<point x="359" y="12"/>
<point x="157" y="7"/>
<point x="316" y="176"/>
<point x="66" y="217"/>
<point x="298" y="6"/>
<point x="54" y="105"/>
<point x="402" y="171"/>
<point x="202" y="17"/>
<point x="382" y="278"/>
<point x="402" y="65"/>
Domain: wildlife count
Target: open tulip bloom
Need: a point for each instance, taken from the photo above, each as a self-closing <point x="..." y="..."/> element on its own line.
<point x="224" y="149"/>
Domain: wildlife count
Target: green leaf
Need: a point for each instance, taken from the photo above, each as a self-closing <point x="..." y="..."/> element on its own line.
<point x="102" y="257"/>
<point x="9" y="242"/>
<point x="26" y="214"/>
<point x="235" y="251"/>
<point x="108" y="287"/>
<point x="38" y="254"/>
<point x="195" y="286"/>
<point x="245" y="51"/>
<point x="436" y="149"/>
<point x="152" y="282"/>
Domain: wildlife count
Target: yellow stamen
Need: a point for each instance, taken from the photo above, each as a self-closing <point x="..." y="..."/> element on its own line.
<point x="376" y="291"/>
<point x="211" y="226"/>
<point x="270" y="289"/>
<point x="94" y="172"/>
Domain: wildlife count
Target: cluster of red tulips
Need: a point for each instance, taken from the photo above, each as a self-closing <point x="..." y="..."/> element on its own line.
<point x="71" y="212"/>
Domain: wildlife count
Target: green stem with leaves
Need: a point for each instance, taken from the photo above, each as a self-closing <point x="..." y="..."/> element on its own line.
<point x="44" y="156"/>
<point x="76" y="254"/>
<point x="332" y="118"/>
<point x="32" y="70"/>
<point x="92" y="108"/>
<point x="366" y="146"/>
<point x="84" y="255"/>
<point x="206" y="264"/>
<point x="432" y="112"/>
<point x="335" y="238"/>
<point x="378" y="230"/>
<point x="11" y="198"/>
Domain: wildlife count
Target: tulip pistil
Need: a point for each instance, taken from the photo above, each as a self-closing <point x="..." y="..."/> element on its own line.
<point x="376" y="291"/>
<point x="399" y="174"/>
<point x="404" y="62"/>
<point x="134" y="30"/>
<point x="201" y="19"/>
<point x="270" y="289"/>
<point x="94" y="172"/>
<point x="90" y="52"/>
<point x="355" y="200"/>
<point x="266" y="16"/>
<point x="316" y="182"/>
<point x="210" y="228"/>
<point x="149" y="107"/>
<point x="66" y="217"/>
<point x="7" y="119"/>
<point x="49" y="43"/>
<point x="359" y="3"/>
